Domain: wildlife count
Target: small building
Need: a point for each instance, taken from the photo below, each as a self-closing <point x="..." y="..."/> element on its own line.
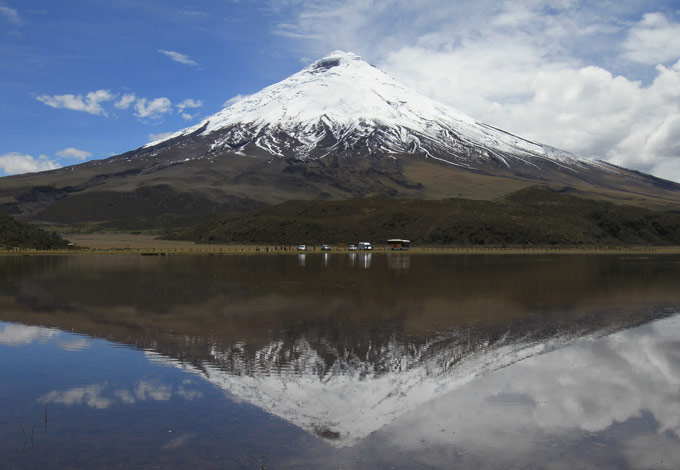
<point x="398" y="244"/>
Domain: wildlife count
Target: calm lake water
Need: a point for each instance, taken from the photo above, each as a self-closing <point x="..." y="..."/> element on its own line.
<point x="340" y="361"/>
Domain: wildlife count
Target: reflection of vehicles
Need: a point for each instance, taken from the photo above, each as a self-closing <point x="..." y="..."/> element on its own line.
<point x="365" y="260"/>
<point x="302" y="247"/>
<point x="399" y="261"/>
<point x="398" y="244"/>
<point x="352" y="248"/>
<point x="365" y="246"/>
<point x="325" y="248"/>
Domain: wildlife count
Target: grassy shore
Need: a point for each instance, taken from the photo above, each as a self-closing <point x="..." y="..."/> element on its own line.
<point x="122" y="243"/>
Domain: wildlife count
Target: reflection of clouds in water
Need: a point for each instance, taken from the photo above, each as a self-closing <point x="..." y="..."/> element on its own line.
<point x="77" y="344"/>
<point x="94" y="395"/>
<point x="561" y="398"/>
<point x="14" y="335"/>
<point x="179" y="441"/>
<point x="149" y="391"/>
<point x="188" y="394"/>
<point x="90" y="395"/>
<point x="125" y="396"/>
<point x="659" y="452"/>
<point x="597" y="383"/>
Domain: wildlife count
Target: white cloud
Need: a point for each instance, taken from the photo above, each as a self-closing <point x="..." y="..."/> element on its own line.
<point x="125" y="396"/>
<point x="149" y="391"/>
<point x="11" y="15"/>
<point x="14" y="335"/>
<point x="189" y="117"/>
<point x="234" y="100"/>
<point x="77" y="344"/>
<point x="565" y="73"/>
<point x="188" y="394"/>
<point x="15" y="163"/>
<point x="534" y="410"/>
<point x="189" y="103"/>
<point x="153" y="109"/>
<point x="90" y="395"/>
<point x="159" y="136"/>
<point x="96" y="396"/>
<point x="655" y="40"/>
<point x="586" y="110"/>
<point x="90" y="103"/>
<point x="125" y="101"/>
<point x="74" y="153"/>
<point x="179" y="57"/>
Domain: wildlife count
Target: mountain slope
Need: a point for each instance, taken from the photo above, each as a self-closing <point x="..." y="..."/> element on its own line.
<point x="532" y="216"/>
<point x="338" y="129"/>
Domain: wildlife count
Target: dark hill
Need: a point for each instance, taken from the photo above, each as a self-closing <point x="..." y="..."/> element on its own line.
<point x="23" y="235"/>
<point x="532" y="216"/>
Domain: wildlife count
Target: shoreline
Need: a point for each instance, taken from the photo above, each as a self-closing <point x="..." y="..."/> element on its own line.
<point x="143" y="244"/>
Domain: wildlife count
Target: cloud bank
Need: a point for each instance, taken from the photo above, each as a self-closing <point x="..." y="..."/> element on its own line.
<point x="601" y="80"/>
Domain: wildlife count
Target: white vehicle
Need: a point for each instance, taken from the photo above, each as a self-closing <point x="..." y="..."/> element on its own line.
<point x="365" y="246"/>
<point x="352" y="248"/>
<point x="302" y="247"/>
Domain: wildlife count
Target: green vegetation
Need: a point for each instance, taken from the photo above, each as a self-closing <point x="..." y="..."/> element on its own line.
<point x="533" y="216"/>
<point x="15" y="234"/>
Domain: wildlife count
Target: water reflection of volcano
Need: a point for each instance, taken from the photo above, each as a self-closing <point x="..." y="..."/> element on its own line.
<point x="338" y="350"/>
<point x="607" y="402"/>
<point x="345" y="394"/>
<point x="346" y="400"/>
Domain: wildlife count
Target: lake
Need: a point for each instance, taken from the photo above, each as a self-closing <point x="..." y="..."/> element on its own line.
<point x="340" y="361"/>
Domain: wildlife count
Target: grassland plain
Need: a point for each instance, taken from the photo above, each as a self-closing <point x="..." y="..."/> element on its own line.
<point x="529" y="217"/>
<point x="111" y="243"/>
<point x="530" y="220"/>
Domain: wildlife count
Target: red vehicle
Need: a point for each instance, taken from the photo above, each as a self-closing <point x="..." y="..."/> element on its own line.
<point x="398" y="244"/>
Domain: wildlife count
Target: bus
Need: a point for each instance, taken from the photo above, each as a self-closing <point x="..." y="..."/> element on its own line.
<point x="398" y="244"/>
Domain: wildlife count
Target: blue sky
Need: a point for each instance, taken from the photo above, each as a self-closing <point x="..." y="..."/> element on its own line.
<point x="83" y="79"/>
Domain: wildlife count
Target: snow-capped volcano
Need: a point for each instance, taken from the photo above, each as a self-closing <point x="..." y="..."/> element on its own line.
<point x="341" y="104"/>
<point x="338" y="129"/>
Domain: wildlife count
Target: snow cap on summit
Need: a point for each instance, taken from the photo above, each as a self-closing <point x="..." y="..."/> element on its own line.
<point x="342" y="97"/>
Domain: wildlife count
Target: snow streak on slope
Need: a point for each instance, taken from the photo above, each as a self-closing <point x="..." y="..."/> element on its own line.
<point x="341" y="103"/>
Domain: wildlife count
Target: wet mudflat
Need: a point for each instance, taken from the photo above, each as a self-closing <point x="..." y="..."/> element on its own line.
<point x="340" y="361"/>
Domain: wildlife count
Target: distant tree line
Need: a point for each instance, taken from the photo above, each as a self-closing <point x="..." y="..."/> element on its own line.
<point x="16" y="234"/>
<point x="530" y="217"/>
